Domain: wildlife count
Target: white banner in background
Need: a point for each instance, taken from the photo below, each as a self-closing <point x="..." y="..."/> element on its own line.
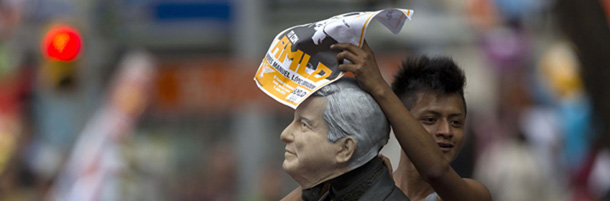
<point x="300" y="61"/>
<point x="93" y="169"/>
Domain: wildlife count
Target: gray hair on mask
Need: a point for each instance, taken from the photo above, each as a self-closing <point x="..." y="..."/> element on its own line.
<point x="350" y="111"/>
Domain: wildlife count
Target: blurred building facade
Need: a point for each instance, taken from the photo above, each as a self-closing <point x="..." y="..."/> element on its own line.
<point x="205" y="131"/>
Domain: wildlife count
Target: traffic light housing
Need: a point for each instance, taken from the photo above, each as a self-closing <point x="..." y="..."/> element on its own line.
<point x="61" y="47"/>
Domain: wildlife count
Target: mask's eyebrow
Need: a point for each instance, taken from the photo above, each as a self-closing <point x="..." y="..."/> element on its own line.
<point x="306" y="120"/>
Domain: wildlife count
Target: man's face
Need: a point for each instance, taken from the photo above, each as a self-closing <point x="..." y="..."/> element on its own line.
<point x="309" y="156"/>
<point x="443" y="117"/>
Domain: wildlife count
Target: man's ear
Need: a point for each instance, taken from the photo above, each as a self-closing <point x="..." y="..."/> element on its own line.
<point x="346" y="149"/>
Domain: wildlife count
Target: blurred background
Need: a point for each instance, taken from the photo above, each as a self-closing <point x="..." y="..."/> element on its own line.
<point x="154" y="99"/>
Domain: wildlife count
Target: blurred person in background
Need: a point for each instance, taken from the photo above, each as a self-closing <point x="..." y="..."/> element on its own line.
<point x="333" y="143"/>
<point x="220" y="177"/>
<point x="17" y="179"/>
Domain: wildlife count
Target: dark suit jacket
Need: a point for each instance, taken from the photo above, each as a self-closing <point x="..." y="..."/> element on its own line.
<point x="370" y="182"/>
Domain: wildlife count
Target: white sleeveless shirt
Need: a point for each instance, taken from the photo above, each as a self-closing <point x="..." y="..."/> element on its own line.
<point x="432" y="197"/>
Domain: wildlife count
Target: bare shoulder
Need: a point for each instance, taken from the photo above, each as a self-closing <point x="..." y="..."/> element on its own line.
<point x="295" y="195"/>
<point x="483" y="193"/>
<point x="480" y="192"/>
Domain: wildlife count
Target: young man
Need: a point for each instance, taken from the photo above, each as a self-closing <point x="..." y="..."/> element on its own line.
<point x="333" y="142"/>
<point x="427" y="111"/>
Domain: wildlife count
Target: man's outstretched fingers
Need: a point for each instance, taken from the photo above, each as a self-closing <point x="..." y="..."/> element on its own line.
<point x="345" y="46"/>
<point x="346" y="55"/>
<point x="346" y="67"/>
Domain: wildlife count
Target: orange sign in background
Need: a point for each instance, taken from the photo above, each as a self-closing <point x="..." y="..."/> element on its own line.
<point x="206" y="85"/>
<point x="211" y="85"/>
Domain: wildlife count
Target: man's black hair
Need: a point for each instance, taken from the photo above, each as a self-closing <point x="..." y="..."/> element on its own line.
<point x="439" y="75"/>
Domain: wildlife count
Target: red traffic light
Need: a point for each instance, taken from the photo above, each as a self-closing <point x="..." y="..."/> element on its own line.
<point x="62" y="43"/>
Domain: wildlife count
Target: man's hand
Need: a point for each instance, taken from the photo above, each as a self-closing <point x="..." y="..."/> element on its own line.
<point x="387" y="163"/>
<point x="363" y="66"/>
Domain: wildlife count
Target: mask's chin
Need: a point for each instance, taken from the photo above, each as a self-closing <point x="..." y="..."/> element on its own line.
<point x="309" y="181"/>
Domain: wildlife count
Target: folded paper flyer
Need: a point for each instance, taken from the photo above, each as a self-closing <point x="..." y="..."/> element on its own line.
<point x="300" y="61"/>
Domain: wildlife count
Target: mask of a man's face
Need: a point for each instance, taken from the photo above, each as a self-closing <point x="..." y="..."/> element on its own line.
<point x="338" y="129"/>
<point x="310" y="156"/>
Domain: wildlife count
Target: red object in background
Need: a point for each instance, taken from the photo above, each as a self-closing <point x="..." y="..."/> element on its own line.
<point x="606" y="7"/>
<point x="61" y="43"/>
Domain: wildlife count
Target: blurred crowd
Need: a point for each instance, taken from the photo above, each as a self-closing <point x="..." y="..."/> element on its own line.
<point x="158" y="101"/>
